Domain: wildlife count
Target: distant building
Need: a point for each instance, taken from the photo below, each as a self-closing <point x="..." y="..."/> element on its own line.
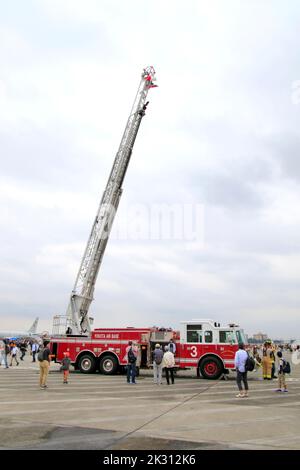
<point x="279" y="341"/>
<point x="260" y="337"/>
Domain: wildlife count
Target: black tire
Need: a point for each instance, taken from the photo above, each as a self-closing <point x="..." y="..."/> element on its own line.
<point x="87" y="364"/>
<point x="211" y="368"/>
<point x="108" y="365"/>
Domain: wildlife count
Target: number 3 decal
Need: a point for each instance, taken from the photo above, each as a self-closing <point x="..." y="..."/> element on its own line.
<point x="194" y="351"/>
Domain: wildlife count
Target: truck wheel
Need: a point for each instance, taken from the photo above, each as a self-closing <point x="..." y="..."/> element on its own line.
<point x="211" y="368"/>
<point x="108" y="365"/>
<point x="87" y="364"/>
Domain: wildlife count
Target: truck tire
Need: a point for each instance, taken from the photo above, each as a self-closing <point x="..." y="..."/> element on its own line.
<point x="108" y="364"/>
<point x="211" y="368"/>
<point x="87" y="364"/>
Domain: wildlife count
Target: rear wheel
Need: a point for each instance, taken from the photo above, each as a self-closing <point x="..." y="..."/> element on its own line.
<point x="211" y="368"/>
<point x="87" y="364"/>
<point x="108" y="365"/>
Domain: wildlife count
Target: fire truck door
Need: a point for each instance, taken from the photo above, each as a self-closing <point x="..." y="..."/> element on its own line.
<point x="144" y="355"/>
<point x="53" y="351"/>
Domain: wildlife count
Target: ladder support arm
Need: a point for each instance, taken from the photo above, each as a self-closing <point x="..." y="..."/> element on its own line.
<point x="82" y="293"/>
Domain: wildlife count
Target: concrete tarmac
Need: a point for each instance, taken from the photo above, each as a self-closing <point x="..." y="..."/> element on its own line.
<point x="104" y="412"/>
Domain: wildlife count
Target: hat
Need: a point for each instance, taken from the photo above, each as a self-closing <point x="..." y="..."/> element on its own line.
<point x="157" y="345"/>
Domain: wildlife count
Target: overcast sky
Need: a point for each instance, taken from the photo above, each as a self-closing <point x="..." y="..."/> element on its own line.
<point x="220" y="139"/>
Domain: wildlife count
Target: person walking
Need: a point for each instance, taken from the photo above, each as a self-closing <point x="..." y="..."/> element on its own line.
<point x="44" y="358"/>
<point x="281" y="374"/>
<point x="157" y="364"/>
<point x="23" y="349"/>
<point x="131" y="358"/>
<point x="65" y="367"/>
<point x="240" y="359"/>
<point x="169" y="364"/>
<point x="14" y="355"/>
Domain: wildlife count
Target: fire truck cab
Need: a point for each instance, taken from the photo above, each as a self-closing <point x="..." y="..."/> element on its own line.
<point x="208" y="346"/>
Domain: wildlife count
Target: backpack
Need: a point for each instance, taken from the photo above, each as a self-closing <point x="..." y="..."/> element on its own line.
<point x="249" y="364"/>
<point x="41" y="355"/>
<point x="131" y="356"/>
<point x="286" y="369"/>
<point x="158" y="358"/>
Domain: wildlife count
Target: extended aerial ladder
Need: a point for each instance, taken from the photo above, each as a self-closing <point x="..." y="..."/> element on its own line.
<point x="77" y="319"/>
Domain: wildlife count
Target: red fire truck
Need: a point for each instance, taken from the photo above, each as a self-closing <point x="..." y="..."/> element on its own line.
<point x="201" y="344"/>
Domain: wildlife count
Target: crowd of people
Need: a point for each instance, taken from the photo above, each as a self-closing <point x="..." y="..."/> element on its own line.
<point x="269" y="357"/>
<point x="162" y="359"/>
<point x="14" y="351"/>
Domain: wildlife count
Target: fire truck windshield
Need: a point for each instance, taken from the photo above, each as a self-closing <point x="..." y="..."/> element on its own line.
<point x="240" y="336"/>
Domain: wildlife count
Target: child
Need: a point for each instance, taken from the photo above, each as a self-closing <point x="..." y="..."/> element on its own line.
<point x="65" y="366"/>
<point x="281" y="375"/>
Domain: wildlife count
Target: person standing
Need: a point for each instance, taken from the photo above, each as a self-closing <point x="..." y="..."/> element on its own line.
<point x="157" y="364"/>
<point x="240" y="359"/>
<point x="169" y="364"/>
<point x="256" y="357"/>
<point x="34" y="348"/>
<point x="267" y="361"/>
<point x="272" y="358"/>
<point x="65" y="367"/>
<point x="44" y="358"/>
<point x="131" y="357"/>
<point x="281" y="374"/>
<point x="6" y="353"/>
<point x="172" y="346"/>
<point x="2" y="352"/>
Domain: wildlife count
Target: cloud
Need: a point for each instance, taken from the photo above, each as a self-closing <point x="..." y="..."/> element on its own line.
<point x="285" y="148"/>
